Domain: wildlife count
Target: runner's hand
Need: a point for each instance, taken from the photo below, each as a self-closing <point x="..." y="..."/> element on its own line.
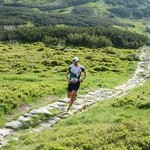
<point x="80" y="81"/>
<point x="69" y="81"/>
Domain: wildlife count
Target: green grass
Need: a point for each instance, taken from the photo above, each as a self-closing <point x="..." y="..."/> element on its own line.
<point x="103" y="127"/>
<point x="140" y="26"/>
<point x="100" y="7"/>
<point x="30" y="72"/>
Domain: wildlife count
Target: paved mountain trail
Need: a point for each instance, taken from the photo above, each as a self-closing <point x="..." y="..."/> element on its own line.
<point x="33" y="121"/>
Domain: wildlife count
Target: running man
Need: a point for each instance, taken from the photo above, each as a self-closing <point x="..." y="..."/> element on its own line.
<point x="73" y="78"/>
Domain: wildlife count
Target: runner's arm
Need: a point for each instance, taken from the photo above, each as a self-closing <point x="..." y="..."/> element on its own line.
<point x="67" y="76"/>
<point x="85" y="75"/>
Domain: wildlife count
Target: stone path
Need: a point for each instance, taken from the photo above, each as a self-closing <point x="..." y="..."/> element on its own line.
<point x="46" y="117"/>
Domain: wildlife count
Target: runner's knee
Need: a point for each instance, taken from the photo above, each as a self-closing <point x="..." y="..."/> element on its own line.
<point x="69" y="94"/>
<point x="73" y="92"/>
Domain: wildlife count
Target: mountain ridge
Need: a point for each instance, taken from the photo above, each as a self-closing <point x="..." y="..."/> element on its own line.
<point x="106" y="8"/>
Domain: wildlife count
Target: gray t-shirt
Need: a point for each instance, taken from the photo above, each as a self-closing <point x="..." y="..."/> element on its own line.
<point x="75" y="72"/>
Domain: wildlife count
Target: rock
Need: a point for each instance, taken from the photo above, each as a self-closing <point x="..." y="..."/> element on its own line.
<point x="79" y="101"/>
<point x="53" y="105"/>
<point x="55" y="118"/>
<point x="45" y="125"/>
<point x="15" y="139"/>
<point x="90" y="103"/>
<point x="104" y="89"/>
<point x="39" y="129"/>
<point x="74" y="110"/>
<point x="64" y="116"/>
<point x="41" y="110"/>
<point x="81" y="96"/>
<point x="87" y="96"/>
<point x="97" y="91"/>
<point x="60" y="103"/>
<point x="135" y="57"/>
<point x="34" y="111"/>
<point x="97" y="98"/>
<point x="122" y="94"/>
<point x="65" y="100"/>
<point x="24" y="119"/>
<point x="28" y="115"/>
<point x="92" y="93"/>
<point x="65" y="50"/>
<point x="49" y="108"/>
<point x="1" y="137"/>
<point x="52" y="122"/>
<point x="77" y="107"/>
<point x="4" y="143"/>
<point x="63" y="108"/>
<point x="13" y="125"/>
<point x="90" y="100"/>
<point x="71" y="113"/>
<point x="141" y="70"/>
<point x="4" y="132"/>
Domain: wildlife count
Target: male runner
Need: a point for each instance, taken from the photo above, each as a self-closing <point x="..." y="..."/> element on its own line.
<point x="73" y="77"/>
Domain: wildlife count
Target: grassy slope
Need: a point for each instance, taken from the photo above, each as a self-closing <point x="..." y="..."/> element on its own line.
<point x="109" y="125"/>
<point x="24" y="79"/>
<point x="140" y="26"/>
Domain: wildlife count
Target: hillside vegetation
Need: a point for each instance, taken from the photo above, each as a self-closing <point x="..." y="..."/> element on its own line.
<point x="46" y="13"/>
<point x="32" y="71"/>
<point x="117" y="124"/>
<point x="72" y="36"/>
<point x="130" y="9"/>
<point x="72" y="12"/>
<point x="39" y="38"/>
<point x="121" y="14"/>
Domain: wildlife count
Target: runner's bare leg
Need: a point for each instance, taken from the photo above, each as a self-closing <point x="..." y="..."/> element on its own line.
<point x="69" y="94"/>
<point x="75" y="97"/>
<point x="72" y="99"/>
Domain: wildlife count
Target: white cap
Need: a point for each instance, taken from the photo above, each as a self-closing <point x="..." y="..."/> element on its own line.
<point x="75" y="59"/>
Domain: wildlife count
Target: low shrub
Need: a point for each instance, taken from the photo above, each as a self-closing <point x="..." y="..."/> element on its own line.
<point x="125" y="102"/>
<point x="51" y="63"/>
<point x="50" y="146"/>
<point x="144" y="105"/>
<point x="37" y="71"/>
<point x="40" y="49"/>
<point x="103" y="68"/>
<point x="128" y="135"/>
<point x="88" y="57"/>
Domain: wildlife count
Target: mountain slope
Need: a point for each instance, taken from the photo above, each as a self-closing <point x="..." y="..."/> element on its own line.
<point x="21" y="11"/>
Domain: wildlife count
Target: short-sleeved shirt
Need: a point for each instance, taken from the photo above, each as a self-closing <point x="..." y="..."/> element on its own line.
<point x="75" y="72"/>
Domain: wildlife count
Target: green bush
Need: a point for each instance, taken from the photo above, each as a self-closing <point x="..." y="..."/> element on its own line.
<point x="50" y="146"/>
<point x="52" y="63"/>
<point x="125" y="102"/>
<point x="68" y="62"/>
<point x="144" y="104"/>
<point x="37" y="71"/>
<point x="88" y="57"/>
<point x="103" y="68"/>
<point x="130" y="135"/>
<point x="40" y="49"/>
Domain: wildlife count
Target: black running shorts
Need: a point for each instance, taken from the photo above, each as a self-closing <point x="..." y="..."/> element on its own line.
<point x="73" y="86"/>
